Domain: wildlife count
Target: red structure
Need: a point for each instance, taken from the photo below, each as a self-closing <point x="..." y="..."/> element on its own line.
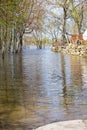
<point x="77" y="38"/>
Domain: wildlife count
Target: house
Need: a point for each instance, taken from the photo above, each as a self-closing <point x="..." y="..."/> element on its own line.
<point x="77" y="39"/>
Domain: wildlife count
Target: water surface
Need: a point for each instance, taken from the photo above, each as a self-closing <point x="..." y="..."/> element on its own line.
<point x="39" y="87"/>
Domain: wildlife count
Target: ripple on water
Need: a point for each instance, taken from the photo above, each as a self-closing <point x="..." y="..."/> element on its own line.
<point x="38" y="87"/>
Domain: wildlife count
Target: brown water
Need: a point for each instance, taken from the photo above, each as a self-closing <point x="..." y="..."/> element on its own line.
<point x="39" y="87"/>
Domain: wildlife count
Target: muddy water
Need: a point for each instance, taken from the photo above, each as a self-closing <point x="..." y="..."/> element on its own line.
<point x="39" y="87"/>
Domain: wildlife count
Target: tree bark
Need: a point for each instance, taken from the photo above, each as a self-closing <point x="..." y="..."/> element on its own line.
<point x="64" y="26"/>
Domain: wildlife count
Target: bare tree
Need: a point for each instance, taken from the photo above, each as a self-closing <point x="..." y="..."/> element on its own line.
<point x="76" y="12"/>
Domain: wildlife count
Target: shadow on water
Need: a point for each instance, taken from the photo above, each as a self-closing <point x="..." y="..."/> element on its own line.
<point x="38" y="87"/>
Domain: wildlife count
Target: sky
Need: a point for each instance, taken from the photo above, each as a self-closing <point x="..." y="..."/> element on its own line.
<point x="85" y="35"/>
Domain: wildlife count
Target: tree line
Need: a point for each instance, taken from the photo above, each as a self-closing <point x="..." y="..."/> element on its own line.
<point x="15" y="17"/>
<point x="66" y="17"/>
<point x="42" y="18"/>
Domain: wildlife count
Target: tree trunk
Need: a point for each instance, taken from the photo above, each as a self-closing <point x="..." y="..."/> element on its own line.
<point x="79" y="29"/>
<point x="40" y="44"/>
<point x="79" y="25"/>
<point x="3" y="50"/>
<point x="64" y="26"/>
<point x="21" y="42"/>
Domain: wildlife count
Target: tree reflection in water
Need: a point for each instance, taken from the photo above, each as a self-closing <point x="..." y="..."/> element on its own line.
<point x="38" y="87"/>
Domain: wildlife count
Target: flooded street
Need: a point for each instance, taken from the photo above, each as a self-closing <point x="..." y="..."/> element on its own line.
<point x="38" y="87"/>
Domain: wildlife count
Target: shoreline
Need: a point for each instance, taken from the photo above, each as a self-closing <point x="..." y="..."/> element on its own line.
<point x="71" y="49"/>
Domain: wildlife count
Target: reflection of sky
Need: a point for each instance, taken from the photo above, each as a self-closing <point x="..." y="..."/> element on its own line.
<point x="58" y="79"/>
<point x="84" y="71"/>
<point x="43" y="87"/>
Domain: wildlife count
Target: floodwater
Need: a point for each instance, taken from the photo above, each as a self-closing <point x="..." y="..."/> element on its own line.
<point x="38" y="87"/>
